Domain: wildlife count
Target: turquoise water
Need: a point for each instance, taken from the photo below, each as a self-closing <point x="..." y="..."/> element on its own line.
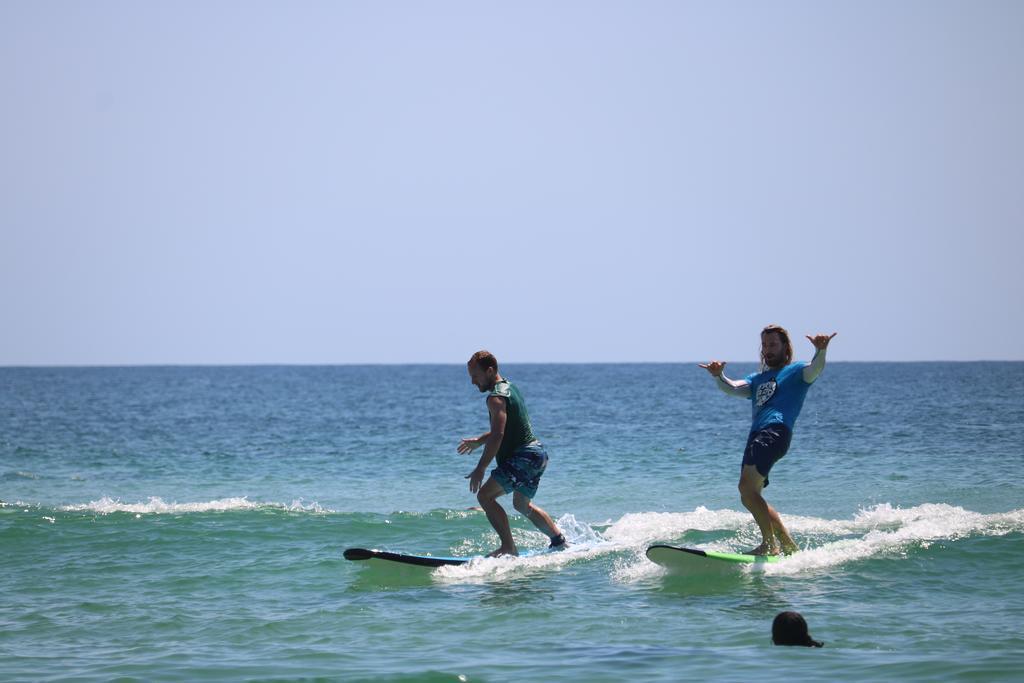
<point x="188" y="524"/>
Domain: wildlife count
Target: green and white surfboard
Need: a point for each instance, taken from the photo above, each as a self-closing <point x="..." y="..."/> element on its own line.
<point x="693" y="561"/>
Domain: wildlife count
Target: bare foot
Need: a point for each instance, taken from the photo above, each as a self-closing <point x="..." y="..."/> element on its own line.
<point x="789" y="546"/>
<point x="501" y="552"/>
<point x="764" y="549"/>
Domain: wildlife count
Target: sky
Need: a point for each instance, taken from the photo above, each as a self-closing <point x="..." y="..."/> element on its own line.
<point x="407" y="182"/>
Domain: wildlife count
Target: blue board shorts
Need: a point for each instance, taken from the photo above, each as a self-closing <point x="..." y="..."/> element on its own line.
<point x="765" y="447"/>
<point x="521" y="471"/>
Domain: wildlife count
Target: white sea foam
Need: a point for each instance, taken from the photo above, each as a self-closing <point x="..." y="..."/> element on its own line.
<point x="313" y="507"/>
<point x="585" y="543"/>
<point x="483" y="569"/>
<point x="635" y="568"/>
<point x="884" y="530"/>
<point x="577" y="532"/>
<point x="648" y="527"/>
<point x="879" y="531"/>
<point x="156" y="505"/>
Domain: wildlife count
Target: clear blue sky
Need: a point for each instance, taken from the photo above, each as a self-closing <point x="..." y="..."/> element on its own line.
<point x="342" y="182"/>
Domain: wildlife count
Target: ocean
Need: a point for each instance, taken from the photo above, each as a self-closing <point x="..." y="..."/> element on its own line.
<point x="188" y="523"/>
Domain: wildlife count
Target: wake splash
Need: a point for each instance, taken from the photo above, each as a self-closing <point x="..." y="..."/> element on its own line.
<point x="585" y="544"/>
<point x="879" y="531"/>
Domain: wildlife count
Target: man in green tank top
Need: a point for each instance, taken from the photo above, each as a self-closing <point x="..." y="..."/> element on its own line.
<point x="521" y="457"/>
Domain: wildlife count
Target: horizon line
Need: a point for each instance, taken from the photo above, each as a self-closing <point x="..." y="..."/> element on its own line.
<point x="86" y="366"/>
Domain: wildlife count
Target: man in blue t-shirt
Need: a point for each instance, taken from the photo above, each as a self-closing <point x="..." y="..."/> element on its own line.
<point x="777" y="393"/>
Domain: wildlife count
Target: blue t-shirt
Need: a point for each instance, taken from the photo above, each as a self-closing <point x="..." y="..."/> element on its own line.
<point x="777" y="395"/>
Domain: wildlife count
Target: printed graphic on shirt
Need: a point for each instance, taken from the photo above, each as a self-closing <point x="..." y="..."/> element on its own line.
<point x="765" y="392"/>
<point x="501" y="389"/>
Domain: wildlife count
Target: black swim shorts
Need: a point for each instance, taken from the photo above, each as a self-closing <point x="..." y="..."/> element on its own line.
<point x="765" y="447"/>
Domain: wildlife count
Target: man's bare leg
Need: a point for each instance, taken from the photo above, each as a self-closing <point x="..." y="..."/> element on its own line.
<point x="540" y="519"/>
<point x="750" y="486"/>
<point x="789" y="546"/>
<point x="488" y="498"/>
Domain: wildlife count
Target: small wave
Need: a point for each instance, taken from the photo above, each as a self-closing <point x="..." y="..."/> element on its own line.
<point x="156" y="505"/>
<point x="879" y="531"/>
<point x="20" y="474"/>
<point x="884" y="530"/>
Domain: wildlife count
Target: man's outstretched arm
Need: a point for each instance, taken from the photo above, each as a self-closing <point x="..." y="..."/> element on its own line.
<point x="740" y="388"/>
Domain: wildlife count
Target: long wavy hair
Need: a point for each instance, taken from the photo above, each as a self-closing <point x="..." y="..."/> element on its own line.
<point x="781" y="331"/>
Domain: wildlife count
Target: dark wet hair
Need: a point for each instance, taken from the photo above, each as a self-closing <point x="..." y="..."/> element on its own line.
<point x="789" y="628"/>
<point x="483" y="360"/>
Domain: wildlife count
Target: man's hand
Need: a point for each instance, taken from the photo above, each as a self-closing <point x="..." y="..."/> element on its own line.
<point x="467" y="445"/>
<point x="715" y="367"/>
<point x="821" y="341"/>
<point x="476" y="478"/>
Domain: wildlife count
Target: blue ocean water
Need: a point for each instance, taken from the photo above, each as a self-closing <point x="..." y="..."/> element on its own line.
<point x="188" y="523"/>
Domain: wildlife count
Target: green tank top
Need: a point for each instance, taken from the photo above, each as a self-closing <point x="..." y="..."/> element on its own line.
<point x="518" y="431"/>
